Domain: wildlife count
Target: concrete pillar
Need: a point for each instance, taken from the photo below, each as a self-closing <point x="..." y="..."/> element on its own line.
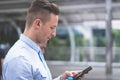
<point x="109" y="42"/>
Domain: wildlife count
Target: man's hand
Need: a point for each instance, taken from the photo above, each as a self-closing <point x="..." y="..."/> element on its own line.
<point x="67" y="74"/>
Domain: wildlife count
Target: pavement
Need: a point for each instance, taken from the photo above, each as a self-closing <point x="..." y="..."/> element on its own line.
<point x="97" y="73"/>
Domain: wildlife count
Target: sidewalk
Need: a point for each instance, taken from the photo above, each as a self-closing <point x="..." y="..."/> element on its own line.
<point x="97" y="73"/>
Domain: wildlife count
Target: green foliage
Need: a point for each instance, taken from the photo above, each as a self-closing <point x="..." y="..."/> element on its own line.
<point x="79" y="40"/>
<point x="99" y="43"/>
<point x="57" y="53"/>
<point x="54" y="42"/>
<point x="81" y="57"/>
<point x="103" y="42"/>
<point x="116" y="37"/>
<point x="67" y="41"/>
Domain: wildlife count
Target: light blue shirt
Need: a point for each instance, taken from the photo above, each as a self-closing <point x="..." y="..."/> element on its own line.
<point x="23" y="62"/>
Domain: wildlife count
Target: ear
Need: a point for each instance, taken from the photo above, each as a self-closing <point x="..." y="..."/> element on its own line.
<point x="38" y="23"/>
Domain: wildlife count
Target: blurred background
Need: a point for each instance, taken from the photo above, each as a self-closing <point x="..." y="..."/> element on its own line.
<point x="88" y="34"/>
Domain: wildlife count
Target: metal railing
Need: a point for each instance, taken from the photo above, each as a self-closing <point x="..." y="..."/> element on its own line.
<point x="82" y="54"/>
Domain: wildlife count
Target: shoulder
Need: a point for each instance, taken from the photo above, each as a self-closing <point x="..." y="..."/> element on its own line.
<point x="17" y="69"/>
<point x="17" y="64"/>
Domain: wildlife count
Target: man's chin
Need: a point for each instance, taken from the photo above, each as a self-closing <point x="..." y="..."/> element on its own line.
<point x="47" y="41"/>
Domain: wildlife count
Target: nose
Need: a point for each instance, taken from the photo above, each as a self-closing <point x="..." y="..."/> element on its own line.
<point x="54" y="33"/>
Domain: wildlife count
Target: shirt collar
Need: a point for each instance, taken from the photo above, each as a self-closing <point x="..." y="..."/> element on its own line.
<point x="29" y="42"/>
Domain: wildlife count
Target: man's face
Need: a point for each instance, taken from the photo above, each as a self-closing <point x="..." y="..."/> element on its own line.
<point x="48" y="30"/>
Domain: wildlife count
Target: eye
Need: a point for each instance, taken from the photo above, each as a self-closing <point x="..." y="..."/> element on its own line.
<point x="52" y="28"/>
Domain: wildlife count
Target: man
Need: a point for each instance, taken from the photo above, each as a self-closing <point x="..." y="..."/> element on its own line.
<point x="25" y="60"/>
